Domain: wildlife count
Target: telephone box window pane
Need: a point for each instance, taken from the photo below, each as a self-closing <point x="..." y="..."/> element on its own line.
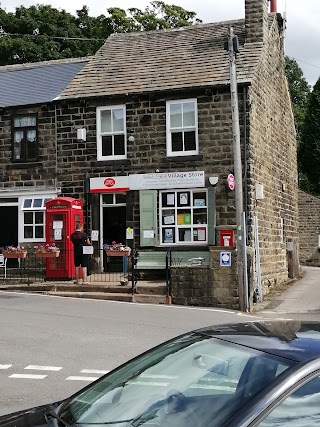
<point x="27" y="203"/>
<point x="28" y="232"/>
<point x="38" y="217"/>
<point x="37" y="203"/>
<point x="107" y="145"/>
<point x="39" y="232"/>
<point x="28" y="217"/>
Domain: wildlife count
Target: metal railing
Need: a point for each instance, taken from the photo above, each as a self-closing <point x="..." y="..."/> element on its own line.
<point x="35" y="269"/>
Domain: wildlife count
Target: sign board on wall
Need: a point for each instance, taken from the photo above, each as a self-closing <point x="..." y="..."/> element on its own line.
<point x="155" y="181"/>
<point x="147" y="181"/>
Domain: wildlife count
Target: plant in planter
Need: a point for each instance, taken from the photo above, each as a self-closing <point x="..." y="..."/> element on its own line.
<point x="49" y="250"/>
<point x="14" y="252"/>
<point x="116" y="249"/>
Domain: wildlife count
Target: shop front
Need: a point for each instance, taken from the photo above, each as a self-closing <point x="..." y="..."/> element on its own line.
<point x="157" y="210"/>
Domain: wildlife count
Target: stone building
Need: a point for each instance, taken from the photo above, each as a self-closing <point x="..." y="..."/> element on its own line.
<point x="309" y="228"/>
<point x="146" y="124"/>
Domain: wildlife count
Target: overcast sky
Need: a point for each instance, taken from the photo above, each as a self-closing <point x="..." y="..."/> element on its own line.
<point x="303" y="17"/>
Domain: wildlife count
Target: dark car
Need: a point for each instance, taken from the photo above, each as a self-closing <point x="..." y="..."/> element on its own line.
<point x="246" y="374"/>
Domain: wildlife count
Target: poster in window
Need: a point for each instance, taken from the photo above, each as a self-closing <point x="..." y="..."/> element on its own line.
<point x="187" y="218"/>
<point x="199" y="202"/>
<point x="170" y="199"/>
<point x="201" y="234"/>
<point x="169" y="219"/>
<point x="180" y="219"/>
<point x="168" y="235"/>
<point x="183" y="198"/>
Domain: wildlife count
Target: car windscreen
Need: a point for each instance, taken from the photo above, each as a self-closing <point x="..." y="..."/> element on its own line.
<point x="194" y="380"/>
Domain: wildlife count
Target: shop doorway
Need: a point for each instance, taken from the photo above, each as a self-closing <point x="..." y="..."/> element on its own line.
<point x="114" y="230"/>
<point x="114" y="224"/>
<point x="9" y="229"/>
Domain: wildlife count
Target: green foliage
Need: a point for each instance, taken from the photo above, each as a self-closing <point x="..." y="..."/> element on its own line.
<point x="309" y="149"/>
<point x="299" y="92"/>
<point x="62" y="35"/>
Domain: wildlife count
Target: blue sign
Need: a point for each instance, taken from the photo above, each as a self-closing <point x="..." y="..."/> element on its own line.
<point x="225" y="259"/>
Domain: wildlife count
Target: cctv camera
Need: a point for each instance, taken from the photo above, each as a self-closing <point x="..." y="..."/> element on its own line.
<point x="213" y="180"/>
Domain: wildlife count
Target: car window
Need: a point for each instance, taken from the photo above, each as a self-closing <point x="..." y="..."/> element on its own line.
<point x="300" y="409"/>
<point x="194" y="381"/>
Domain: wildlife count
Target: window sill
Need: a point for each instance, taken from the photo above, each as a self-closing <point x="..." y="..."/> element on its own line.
<point x="98" y="163"/>
<point x="196" y="157"/>
<point x="31" y="165"/>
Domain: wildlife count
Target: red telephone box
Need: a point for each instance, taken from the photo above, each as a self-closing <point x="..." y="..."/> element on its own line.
<point x="62" y="215"/>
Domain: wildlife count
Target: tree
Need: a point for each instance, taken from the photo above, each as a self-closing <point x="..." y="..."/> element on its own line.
<point x="309" y="149"/>
<point x="41" y="33"/>
<point x="299" y="92"/>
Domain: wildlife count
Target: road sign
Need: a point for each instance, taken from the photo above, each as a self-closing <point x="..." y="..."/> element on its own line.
<point x="230" y="180"/>
<point x="225" y="259"/>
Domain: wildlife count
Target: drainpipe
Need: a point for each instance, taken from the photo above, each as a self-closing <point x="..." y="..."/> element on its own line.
<point x="273" y="6"/>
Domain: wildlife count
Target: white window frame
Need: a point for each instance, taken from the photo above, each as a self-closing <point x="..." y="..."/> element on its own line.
<point x="34" y="209"/>
<point x="100" y="157"/>
<point x="193" y="210"/>
<point x="169" y="129"/>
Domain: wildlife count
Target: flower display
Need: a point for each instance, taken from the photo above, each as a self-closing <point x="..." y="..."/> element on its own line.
<point x="116" y="247"/>
<point x="48" y="247"/>
<point x="14" y="249"/>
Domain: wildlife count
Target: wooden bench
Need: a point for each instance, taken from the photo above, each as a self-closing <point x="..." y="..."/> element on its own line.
<point x="154" y="260"/>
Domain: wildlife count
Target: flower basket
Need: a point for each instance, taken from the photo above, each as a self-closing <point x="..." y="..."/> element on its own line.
<point x="52" y="254"/>
<point x="16" y="254"/>
<point x="114" y="252"/>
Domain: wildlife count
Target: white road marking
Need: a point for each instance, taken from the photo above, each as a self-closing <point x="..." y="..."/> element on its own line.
<point x="5" y="366"/>
<point x="81" y="378"/>
<point x="93" y="371"/>
<point x="28" y="376"/>
<point x="43" y="368"/>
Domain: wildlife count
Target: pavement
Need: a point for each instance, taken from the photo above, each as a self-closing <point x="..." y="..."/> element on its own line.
<point x="301" y="295"/>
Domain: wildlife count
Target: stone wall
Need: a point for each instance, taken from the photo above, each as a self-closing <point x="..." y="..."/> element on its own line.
<point x="309" y="228"/>
<point x="40" y="173"/>
<point x="271" y="148"/>
<point x="212" y="286"/>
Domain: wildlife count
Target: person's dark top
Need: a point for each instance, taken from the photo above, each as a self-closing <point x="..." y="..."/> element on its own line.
<point x="79" y="239"/>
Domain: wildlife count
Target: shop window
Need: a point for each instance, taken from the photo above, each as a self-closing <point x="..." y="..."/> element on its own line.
<point x="111" y="133"/>
<point x="182" y="128"/>
<point x="24" y="135"/>
<point x="33" y="218"/>
<point x="183" y="217"/>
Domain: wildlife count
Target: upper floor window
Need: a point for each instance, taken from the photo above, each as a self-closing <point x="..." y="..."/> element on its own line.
<point x="25" y="146"/>
<point x="111" y="132"/>
<point x="182" y="127"/>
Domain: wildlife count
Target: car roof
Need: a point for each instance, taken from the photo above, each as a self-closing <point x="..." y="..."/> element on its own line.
<point x="292" y="339"/>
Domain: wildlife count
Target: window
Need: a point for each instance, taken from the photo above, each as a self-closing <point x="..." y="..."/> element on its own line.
<point x="302" y="408"/>
<point x="182" y="128"/>
<point x="33" y="210"/>
<point x="183" y="217"/>
<point x="25" y="147"/>
<point x="111" y="133"/>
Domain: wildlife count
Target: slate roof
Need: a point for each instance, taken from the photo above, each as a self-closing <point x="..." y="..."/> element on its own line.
<point x="36" y="83"/>
<point x="173" y="59"/>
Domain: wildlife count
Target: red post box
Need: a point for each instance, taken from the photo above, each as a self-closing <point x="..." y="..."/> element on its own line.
<point x="62" y="215"/>
<point x="226" y="238"/>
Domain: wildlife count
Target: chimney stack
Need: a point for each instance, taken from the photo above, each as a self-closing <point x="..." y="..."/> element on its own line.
<point x="256" y="20"/>
<point x="273" y="6"/>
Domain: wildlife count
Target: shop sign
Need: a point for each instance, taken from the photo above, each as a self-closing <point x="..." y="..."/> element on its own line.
<point x="155" y="181"/>
<point x="111" y="184"/>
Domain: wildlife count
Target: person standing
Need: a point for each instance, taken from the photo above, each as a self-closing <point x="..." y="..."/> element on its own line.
<point x="80" y="239"/>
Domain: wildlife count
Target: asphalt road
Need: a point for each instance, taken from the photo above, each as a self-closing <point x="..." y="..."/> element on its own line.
<point x="51" y="347"/>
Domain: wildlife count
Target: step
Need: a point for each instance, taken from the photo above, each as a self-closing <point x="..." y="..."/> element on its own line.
<point x="94" y="295"/>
